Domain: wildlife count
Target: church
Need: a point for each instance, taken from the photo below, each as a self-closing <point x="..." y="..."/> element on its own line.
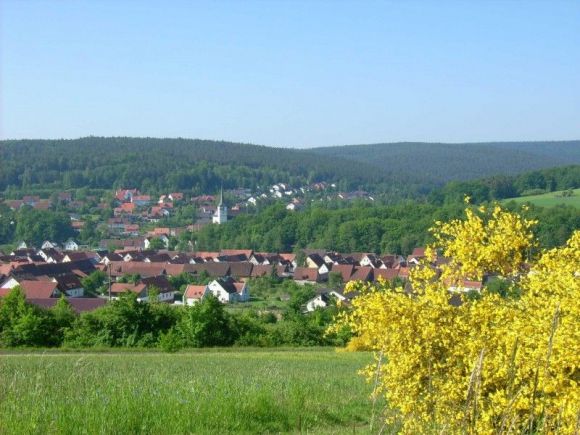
<point x="221" y="214"/>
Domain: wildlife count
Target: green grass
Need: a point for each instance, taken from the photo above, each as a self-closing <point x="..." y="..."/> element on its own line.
<point x="258" y="391"/>
<point x="549" y="199"/>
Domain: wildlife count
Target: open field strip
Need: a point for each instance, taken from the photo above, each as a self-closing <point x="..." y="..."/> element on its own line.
<point x="264" y="391"/>
<point x="549" y="199"/>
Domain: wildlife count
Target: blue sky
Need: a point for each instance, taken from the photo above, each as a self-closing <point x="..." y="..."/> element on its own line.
<point x="291" y="73"/>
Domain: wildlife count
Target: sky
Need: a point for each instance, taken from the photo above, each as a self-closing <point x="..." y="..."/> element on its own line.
<point x="291" y="73"/>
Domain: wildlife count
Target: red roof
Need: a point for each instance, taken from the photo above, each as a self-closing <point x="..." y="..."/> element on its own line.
<point x="306" y="274"/>
<point x="194" y="291"/>
<point x="387" y="274"/>
<point x="362" y="274"/>
<point x="418" y="252"/>
<point x="246" y="252"/>
<point x="79" y="305"/>
<point x="35" y="289"/>
<point x="345" y="270"/>
<point x="120" y="287"/>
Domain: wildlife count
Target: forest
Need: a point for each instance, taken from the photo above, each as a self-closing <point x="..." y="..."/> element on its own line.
<point x="406" y="170"/>
<point x="437" y="163"/>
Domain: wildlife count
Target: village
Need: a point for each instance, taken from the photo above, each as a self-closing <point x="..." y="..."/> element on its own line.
<point x="49" y="272"/>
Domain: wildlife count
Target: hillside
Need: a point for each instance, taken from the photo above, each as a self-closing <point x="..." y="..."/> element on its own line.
<point x="158" y="164"/>
<point x="440" y="162"/>
<point x="550" y="199"/>
<point x="402" y="170"/>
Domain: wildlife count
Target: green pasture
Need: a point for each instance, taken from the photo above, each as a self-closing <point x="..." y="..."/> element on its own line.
<point x="218" y="391"/>
<point x="549" y="199"/>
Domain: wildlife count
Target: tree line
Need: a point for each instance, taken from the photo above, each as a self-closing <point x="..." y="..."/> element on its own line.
<point x="128" y="323"/>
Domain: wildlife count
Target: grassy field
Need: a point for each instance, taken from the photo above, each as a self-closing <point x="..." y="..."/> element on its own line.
<point x="549" y="199"/>
<point x="257" y="391"/>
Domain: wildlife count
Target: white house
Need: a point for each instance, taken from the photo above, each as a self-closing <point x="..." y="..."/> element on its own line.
<point x="46" y="245"/>
<point x="323" y="300"/>
<point x="70" y="245"/>
<point x="227" y="290"/>
<point x="195" y="293"/>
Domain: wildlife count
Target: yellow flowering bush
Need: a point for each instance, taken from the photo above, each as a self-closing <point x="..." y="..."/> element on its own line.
<point x="495" y="363"/>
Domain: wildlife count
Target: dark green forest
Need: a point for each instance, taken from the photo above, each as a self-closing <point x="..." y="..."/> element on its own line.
<point x="362" y="227"/>
<point x="403" y="170"/>
<point x="441" y="162"/>
<point x="161" y="165"/>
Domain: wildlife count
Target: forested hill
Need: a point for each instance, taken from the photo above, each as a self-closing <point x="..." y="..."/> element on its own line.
<point x="442" y="162"/>
<point x="156" y="165"/>
<point x="166" y="164"/>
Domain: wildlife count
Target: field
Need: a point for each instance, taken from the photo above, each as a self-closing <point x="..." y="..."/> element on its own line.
<point x="217" y="391"/>
<point x="549" y="199"/>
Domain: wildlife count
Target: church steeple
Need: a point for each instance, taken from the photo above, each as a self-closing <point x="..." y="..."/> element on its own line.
<point x="221" y="214"/>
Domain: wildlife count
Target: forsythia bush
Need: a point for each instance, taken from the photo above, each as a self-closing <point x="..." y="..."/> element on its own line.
<point x="495" y="363"/>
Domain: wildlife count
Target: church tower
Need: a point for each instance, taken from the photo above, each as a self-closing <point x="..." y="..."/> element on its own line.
<point x="221" y="214"/>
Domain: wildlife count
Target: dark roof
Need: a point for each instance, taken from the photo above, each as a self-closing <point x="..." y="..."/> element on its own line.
<point x="362" y="274"/>
<point x="78" y="304"/>
<point x="266" y="269"/>
<point x="345" y="270"/>
<point x="160" y="282"/>
<point x="388" y="274"/>
<point x="306" y="274"/>
<point x="55" y="269"/>
<point x="317" y="259"/>
<point x="68" y="281"/>
<point x="241" y="269"/>
<point x="212" y="268"/>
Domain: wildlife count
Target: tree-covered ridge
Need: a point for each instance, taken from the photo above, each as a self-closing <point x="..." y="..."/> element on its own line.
<point x="168" y="164"/>
<point x="403" y="170"/>
<point x="442" y="162"/>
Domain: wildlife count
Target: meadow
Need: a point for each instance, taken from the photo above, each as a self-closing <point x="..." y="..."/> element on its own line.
<point x="215" y="391"/>
<point x="550" y="199"/>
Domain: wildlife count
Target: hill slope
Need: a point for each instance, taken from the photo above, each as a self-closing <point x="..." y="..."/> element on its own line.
<point x="150" y="164"/>
<point x="441" y="162"/>
<point x="400" y="170"/>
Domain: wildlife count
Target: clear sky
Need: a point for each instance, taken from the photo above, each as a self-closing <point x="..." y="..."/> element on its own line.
<point x="291" y="73"/>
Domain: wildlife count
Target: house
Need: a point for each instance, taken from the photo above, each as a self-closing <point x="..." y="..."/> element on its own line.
<point x="345" y="270"/>
<point x="316" y="261"/>
<point x="267" y="270"/>
<point x="176" y="196"/>
<point x="79" y="305"/>
<point x="125" y="195"/>
<point x="162" y="285"/>
<point x="77" y="256"/>
<point x="306" y="275"/>
<point x="51" y="255"/>
<point x="323" y="299"/>
<point x="70" y="285"/>
<point x="124" y="208"/>
<point x="48" y="244"/>
<point x="195" y="293"/>
<point x="144" y="287"/>
<point x="465" y="286"/>
<point x="32" y="289"/>
<point x="227" y="290"/>
<point x="241" y="270"/>
<point x="385" y="274"/>
<point x="371" y="260"/>
<point x="416" y="256"/>
<point x="362" y="274"/>
<point x="70" y="245"/>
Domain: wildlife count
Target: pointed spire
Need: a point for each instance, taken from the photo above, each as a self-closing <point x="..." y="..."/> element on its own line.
<point x="221" y="196"/>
